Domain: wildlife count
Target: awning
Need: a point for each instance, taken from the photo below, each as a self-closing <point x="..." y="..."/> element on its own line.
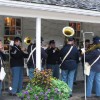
<point x="24" y="9"/>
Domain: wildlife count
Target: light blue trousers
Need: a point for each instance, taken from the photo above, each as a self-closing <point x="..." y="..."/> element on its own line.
<point x="94" y="76"/>
<point x="55" y="69"/>
<point x="0" y="88"/>
<point x="17" y="79"/>
<point x="31" y="74"/>
<point x="68" y="77"/>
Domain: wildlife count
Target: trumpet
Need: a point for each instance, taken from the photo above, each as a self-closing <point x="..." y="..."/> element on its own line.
<point x="9" y="41"/>
<point x="27" y="40"/>
<point x="68" y="31"/>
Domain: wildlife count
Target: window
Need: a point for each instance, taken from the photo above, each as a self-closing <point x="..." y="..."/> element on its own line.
<point x="12" y="28"/>
<point x="77" y="28"/>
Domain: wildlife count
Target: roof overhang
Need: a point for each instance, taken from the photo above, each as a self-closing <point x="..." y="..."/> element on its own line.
<point x="24" y="9"/>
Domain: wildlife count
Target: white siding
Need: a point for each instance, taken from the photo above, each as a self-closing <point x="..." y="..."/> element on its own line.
<point x="28" y="28"/>
<point x="51" y="29"/>
<point x="88" y="27"/>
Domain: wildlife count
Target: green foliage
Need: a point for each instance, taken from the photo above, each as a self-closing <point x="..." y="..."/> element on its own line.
<point x="62" y="88"/>
<point x="42" y="78"/>
<point x="44" y="87"/>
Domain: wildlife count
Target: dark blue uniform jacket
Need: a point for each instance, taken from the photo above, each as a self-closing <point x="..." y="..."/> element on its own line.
<point x="53" y="56"/>
<point x="17" y="56"/>
<point x="3" y="57"/>
<point x="91" y="57"/>
<point x="71" y="61"/>
<point x="32" y="63"/>
<point x="74" y="54"/>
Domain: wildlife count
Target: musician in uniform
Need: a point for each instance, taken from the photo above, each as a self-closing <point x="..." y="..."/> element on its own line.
<point x="91" y="55"/>
<point x="2" y="57"/>
<point x="17" y="66"/>
<point x="31" y="63"/>
<point x="82" y="51"/>
<point x="69" y="65"/>
<point x="53" y="59"/>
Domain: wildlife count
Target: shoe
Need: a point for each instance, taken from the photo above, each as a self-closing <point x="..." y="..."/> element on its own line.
<point x="75" y="83"/>
<point x="86" y="97"/>
<point x="14" y="94"/>
<point x="11" y="94"/>
<point x="96" y="96"/>
<point x="93" y="92"/>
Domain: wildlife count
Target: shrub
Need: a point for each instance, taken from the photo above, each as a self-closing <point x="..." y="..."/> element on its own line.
<point x="44" y="87"/>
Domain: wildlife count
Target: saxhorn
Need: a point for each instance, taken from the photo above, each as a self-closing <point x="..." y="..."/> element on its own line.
<point x="27" y="40"/>
<point x="68" y="31"/>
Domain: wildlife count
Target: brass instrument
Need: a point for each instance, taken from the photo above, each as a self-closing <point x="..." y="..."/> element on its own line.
<point x="10" y="41"/>
<point x="68" y="31"/>
<point x="92" y="47"/>
<point x="27" y="40"/>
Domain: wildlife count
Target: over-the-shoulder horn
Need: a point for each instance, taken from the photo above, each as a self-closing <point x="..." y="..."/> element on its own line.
<point x="68" y="31"/>
<point x="27" y="40"/>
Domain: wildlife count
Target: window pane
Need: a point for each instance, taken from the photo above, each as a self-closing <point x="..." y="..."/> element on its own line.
<point x="7" y="30"/>
<point x="78" y="26"/>
<point x="18" y="30"/>
<point x="78" y="33"/>
<point x="6" y="40"/>
<point x="18" y="22"/>
<point x="7" y="21"/>
<point x="73" y="25"/>
<point x="12" y="31"/>
<point x="6" y="47"/>
<point x="13" y="22"/>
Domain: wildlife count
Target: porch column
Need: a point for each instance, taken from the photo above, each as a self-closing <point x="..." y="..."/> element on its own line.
<point x="38" y="43"/>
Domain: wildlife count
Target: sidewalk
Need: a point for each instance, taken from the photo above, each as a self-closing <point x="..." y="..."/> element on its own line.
<point x="9" y="98"/>
<point x="78" y="92"/>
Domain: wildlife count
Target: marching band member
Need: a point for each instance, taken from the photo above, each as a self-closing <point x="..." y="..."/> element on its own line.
<point x="17" y="66"/>
<point x="2" y="56"/>
<point x="82" y="51"/>
<point x="91" y="56"/>
<point x="87" y="45"/>
<point x="31" y="63"/>
<point x="53" y="58"/>
<point x="69" y="65"/>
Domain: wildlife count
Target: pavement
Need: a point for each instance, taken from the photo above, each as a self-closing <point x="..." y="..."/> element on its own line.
<point x="9" y="98"/>
<point x="78" y="94"/>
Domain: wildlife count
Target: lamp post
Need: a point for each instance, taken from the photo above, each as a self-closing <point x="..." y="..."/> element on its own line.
<point x="84" y="33"/>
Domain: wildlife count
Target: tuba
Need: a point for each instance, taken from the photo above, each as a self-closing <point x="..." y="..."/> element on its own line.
<point x="68" y="31"/>
<point x="27" y="40"/>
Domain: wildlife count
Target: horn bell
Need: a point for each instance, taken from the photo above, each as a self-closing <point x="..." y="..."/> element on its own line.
<point x="27" y="40"/>
<point x="68" y="31"/>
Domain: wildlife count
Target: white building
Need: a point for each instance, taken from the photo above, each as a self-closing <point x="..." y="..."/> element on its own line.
<point x="33" y="19"/>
